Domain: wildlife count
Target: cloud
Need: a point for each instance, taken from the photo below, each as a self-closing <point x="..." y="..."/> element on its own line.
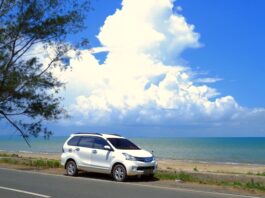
<point x="151" y="27"/>
<point x="208" y="80"/>
<point x="141" y="82"/>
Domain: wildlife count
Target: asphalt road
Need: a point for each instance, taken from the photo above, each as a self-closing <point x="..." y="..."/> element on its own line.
<point x="22" y="184"/>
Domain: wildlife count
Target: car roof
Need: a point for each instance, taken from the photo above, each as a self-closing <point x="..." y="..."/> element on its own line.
<point x="104" y="135"/>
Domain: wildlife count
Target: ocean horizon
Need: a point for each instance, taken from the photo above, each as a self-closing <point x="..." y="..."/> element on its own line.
<point x="231" y="150"/>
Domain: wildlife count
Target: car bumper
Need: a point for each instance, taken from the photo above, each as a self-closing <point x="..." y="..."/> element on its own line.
<point x="63" y="159"/>
<point x="141" y="168"/>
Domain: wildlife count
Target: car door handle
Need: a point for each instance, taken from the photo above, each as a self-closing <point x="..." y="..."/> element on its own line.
<point x="77" y="149"/>
<point x="94" y="151"/>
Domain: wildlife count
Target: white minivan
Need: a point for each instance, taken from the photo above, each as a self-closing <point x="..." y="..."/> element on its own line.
<point x="105" y="153"/>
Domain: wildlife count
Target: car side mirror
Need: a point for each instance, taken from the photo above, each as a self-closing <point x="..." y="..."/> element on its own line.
<point x="107" y="147"/>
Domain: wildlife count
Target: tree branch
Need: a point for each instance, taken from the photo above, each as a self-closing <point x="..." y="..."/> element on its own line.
<point x="1" y="5"/>
<point x="12" y="55"/>
<point x="19" y="88"/>
<point x="16" y="127"/>
<point x="26" y="47"/>
<point x="15" y="114"/>
<point x="48" y="66"/>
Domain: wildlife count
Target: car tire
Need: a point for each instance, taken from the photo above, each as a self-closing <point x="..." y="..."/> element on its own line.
<point x="119" y="173"/>
<point x="71" y="168"/>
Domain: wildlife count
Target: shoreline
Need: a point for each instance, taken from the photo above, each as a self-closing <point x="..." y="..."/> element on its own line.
<point x="210" y="167"/>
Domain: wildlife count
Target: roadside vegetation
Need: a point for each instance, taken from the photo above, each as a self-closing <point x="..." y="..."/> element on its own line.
<point x="189" y="177"/>
<point x="261" y="174"/>
<point x="28" y="161"/>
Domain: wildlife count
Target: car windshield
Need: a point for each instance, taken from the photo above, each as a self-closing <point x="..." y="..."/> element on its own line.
<point x="121" y="143"/>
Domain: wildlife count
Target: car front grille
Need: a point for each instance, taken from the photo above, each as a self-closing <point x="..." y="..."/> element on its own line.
<point x="144" y="159"/>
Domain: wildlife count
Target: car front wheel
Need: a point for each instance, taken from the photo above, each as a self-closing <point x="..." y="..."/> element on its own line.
<point x="119" y="173"/>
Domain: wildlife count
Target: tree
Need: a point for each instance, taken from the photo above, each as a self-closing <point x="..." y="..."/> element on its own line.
<point x="28" y="88"/>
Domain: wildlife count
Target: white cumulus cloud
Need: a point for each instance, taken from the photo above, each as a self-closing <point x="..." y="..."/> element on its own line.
<point x="141" y="81"/>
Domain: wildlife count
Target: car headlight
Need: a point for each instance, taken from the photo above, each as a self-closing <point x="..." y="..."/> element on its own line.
<point x="129" y="157"/>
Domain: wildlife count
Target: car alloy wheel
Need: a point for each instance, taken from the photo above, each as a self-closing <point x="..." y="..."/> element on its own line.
<point x="71" y="168"/>
<point x="119" y="173"/>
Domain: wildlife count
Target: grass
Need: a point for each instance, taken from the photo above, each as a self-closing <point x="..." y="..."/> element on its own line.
<point x="37" y="163"/>
<point x="166" y="175"/>
<point x="8" y="155"/>
<point x="255" y="185"/>
<point x="258" y="174"/>
<point x="261" y="174"/>
<point x="187" y="177"/>
<point x="247" y="186"/>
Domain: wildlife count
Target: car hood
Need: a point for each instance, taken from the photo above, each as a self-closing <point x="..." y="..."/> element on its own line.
<point x="137" y="153"/>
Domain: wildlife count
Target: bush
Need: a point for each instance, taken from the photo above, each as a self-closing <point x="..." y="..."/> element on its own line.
<point x="38" y="163"/>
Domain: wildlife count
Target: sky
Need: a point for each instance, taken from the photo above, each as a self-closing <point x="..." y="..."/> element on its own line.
<point x="168" y="68"/>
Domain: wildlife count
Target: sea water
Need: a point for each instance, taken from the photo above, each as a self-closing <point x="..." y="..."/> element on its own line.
<point x="219" y="150"/>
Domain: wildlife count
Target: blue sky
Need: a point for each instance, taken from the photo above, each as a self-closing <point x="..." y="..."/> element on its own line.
<point x="233" y="34"/>
<point x="169" y="68"/>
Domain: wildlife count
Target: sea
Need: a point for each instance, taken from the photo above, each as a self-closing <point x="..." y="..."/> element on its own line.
<point x="217" y="150"/>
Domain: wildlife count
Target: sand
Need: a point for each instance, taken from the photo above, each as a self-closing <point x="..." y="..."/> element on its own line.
<point x="177" y="165"/>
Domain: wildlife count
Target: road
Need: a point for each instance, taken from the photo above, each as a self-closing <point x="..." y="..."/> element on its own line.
<point x="21" y="184"/>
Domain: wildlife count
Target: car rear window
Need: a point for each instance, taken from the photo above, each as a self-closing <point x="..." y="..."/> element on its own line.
<point x="86" y="142"/>
<point x="73" y="141"/>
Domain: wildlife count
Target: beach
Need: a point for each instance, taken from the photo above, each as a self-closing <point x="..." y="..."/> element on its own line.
<point x="177" y="165"/>
<point x="233" y="168"/>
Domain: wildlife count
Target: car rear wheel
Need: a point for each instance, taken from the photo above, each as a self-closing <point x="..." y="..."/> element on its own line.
<point x="71" y="168"/>
<point x="119" y="173"/>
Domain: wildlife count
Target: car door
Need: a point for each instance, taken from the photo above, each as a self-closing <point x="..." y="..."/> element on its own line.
<point x="84" y="151"/>
<point x="101" y="158"/>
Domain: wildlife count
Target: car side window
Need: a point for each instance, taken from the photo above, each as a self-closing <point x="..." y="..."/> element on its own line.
<point x="73" y="141"/>
<point x="86" y="142"/>
<point x="99" y="143"/>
